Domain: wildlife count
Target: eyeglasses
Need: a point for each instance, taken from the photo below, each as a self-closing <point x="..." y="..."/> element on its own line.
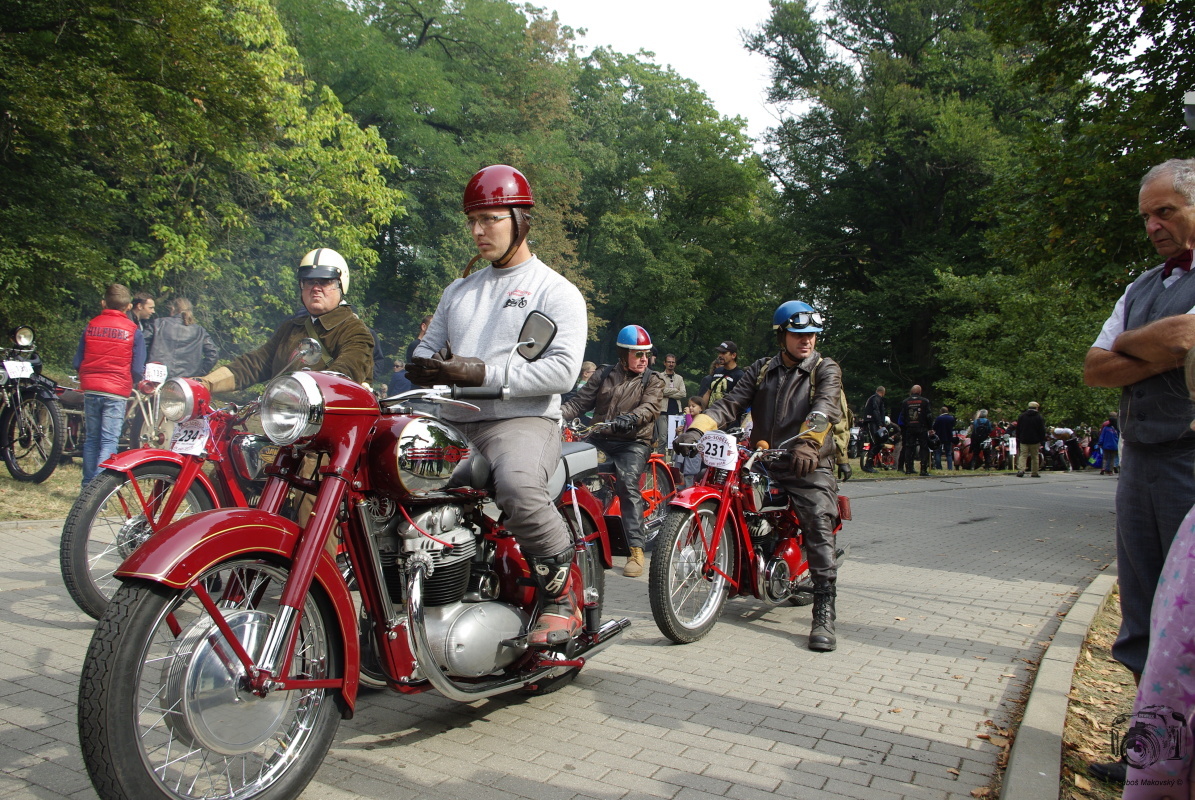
<point x="308" y="283"/>
<point x="640" y="354"/>
<point x="486" y="221"/>
<point x="802" y="319"/>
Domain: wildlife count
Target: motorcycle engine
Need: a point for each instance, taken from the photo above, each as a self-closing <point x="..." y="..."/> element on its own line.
<point x="470" y="633"/>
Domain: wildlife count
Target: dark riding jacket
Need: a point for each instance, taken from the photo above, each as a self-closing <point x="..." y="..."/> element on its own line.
<point x="781" y="401"/>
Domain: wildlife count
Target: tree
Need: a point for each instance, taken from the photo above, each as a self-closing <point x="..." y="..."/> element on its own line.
<point x="453" y="87"/>
<point x="673" y="203"/>
<point x="910" y="114"/>
<point x="173" y="146"/>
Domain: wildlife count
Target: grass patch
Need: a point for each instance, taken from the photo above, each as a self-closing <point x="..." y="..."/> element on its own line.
<point x="50" y="499"/>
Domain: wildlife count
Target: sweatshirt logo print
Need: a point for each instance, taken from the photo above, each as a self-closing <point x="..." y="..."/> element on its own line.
<point x="516" y="299"/>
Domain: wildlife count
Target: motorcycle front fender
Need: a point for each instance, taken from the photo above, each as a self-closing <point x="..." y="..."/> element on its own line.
<point x="187" y="547"/>
<point x="591" y="509"/>
<point x="128" y="460"/>
<point x="696" y="495"/>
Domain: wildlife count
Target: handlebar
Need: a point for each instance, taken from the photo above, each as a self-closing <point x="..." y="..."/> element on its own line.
<point x="480" y="393"/>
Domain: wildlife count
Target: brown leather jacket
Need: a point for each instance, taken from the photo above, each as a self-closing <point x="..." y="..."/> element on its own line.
<point x="345" y="338"/>
<point x="781" y="402"/>
<point x="620" y="393"/>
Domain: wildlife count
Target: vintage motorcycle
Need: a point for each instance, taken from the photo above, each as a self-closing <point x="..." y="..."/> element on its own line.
<point x="657" y="484"/>
<point x="139" y="492"/>
<point x="31" y="422"/>
<point x="732" y="533"/>
<point x="224" y="663"/>
<point x="143" y="421"/>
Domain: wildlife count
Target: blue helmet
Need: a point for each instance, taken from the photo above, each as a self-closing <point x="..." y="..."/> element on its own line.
<point x="634" y="337"/>
<point x="797" y="317"/>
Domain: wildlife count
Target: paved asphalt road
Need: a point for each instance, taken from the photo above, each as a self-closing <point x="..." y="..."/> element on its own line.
<point x="951" y="588"/>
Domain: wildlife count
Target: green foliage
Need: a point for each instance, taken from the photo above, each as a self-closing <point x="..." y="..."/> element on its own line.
<point x="1019" y="343"/>
<point x="672" y="199"/>
<point x="910" y="113"/>
<point x="176" y="147"/>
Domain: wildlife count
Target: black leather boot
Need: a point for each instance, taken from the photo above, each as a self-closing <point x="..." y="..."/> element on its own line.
<point x="559" y="618"/>
<point x="821" y="634"/>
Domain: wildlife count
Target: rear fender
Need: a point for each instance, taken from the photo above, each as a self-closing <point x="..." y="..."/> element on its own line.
<point x="187" y="547"/>
<point x="589" y="507"/>
<point x="125" y="462"/>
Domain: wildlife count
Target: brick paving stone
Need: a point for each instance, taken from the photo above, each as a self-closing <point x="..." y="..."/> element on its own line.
<point x="946" y="578"/>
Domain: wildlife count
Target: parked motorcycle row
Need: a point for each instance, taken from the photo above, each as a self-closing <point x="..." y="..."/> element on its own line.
<point x="1061" y="452"/>
<point x="42" y="423"/>
<point x="242" y="607"/>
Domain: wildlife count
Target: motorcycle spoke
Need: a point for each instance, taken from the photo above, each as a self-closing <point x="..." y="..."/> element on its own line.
<point x="173" y="749"/>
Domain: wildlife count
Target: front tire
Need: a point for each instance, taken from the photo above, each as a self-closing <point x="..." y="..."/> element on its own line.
<point x="32" y="434"/>
<point x="161" y="715"/>
<point x="108" y="522"/>
<point x="684" y="601"/>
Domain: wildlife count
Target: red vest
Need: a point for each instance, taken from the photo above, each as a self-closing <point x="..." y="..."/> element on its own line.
<point x="107" y="364"/>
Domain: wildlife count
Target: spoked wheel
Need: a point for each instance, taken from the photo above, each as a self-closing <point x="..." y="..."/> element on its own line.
<point x="657" y="487"/>
<point x="109" y="521"/>
<point x="163" y="707"/>
<point x="32" y="436"/>
<point x="686" y="598"/>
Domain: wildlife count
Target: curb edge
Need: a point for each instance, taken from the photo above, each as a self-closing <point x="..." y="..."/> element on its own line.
<point x="1035" y="763"/>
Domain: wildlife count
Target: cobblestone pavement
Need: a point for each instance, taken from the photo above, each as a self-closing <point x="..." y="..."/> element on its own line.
<point x="951" y="587"/>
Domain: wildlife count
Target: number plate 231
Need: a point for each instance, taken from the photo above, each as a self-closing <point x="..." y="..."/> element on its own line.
<point x="719" y="450"/>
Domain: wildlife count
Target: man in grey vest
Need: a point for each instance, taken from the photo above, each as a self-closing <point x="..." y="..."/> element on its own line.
<point x="1141" y="350"/>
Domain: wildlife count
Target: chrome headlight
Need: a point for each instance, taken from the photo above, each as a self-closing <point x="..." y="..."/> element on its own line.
<point x="177" y="400"/>
<point x="23" y="336"/>
<point x="292" y="408"/>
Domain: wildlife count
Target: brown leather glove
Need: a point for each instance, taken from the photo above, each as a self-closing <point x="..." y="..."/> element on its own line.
<point x="686" y="443"/>
<point x="804" y="455"/>
<point x="446" y="369"/>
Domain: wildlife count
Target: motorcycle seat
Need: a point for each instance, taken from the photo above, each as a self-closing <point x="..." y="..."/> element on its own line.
<point x="576" y="460"/>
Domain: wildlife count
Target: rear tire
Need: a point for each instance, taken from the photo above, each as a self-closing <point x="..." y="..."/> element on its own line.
<point x="160" y="715"/>
<point x="684" y="601"/>
<point x="107" y="523"/>
<point x="658" y="489"/>
<point x="32" y="434"/>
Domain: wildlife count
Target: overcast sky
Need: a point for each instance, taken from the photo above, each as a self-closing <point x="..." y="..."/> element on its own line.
<point x="700" y="39"/>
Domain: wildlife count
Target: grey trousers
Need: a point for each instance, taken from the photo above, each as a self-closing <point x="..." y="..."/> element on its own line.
<point x="523" y="453"/>
<point x="630" y="459"/>
<point x="815" y="497"/>
<point x="1155" y="491"/>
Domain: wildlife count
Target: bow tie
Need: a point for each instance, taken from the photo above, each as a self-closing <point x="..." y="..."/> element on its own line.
<point x="1181" y="261"/>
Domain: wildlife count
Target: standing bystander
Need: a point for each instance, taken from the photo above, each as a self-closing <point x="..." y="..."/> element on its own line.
<point x="1141" y="349"/>
<point x="944" y="427"/>
<point x="875" y="417"/>
<point x="674" y="399"/>
<point x="1031" y="435"/>
<point x="914" y="415"/>
<point x="110" y="359"/>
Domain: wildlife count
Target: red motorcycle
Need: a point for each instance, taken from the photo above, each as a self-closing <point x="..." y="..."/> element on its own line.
<point x="657" y="484"/>
<point x="732" y="533"/>
<point x="139" y="492"/>
<point x="231" y="651"/>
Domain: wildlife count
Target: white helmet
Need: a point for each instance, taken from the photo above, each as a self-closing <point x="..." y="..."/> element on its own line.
<point x="325" y="263"/>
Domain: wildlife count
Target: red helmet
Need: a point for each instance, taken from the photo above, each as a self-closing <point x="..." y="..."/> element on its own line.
<point x="498" y="185"/>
